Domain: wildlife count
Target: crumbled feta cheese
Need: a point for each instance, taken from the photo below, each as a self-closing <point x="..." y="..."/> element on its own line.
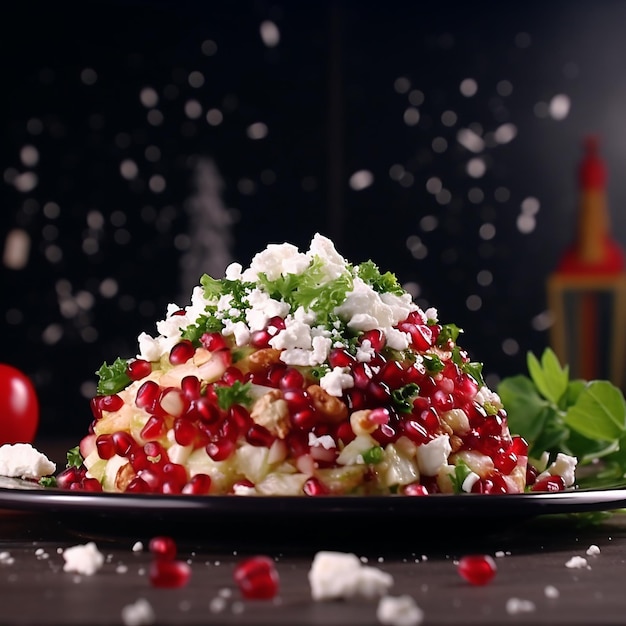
<point x="83" y="559"/>
<point x="486" y="396"/>
<point x="431" y="314"/>
<point x="365" y="352"/>
<point x="324" y="249"/>
<point x="577" y="562"/>
<point x="335" y="575"/>
<point x="139" y="613"/>
<point x="515" y="606"/>
<point x="239" y="330"/>
<point x="275" y="261"/>
<point x="326" y="441"/>
<point x="433" y="455"/>
<point x="551" y="592"/>
<point x="399" y="611"/>
<point x="244" y="490"/>
<point x="593" y="550"/>
<point x="564" y="466"/>
<point x="137" y="546"/>
<point x="21" y="460"/>
<point x="336" y="381"/>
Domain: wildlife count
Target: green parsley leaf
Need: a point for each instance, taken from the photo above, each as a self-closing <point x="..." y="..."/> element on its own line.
<point x="204" y="324"/>
<point x="74" y="457"/>
<point x="448" y="333"/>
<point x="433" y="363"/>
<point x="374" y="455"/>
<point x="369" y="273"/>
<point x="404" y="396"/>
<point x="237" y="393"/>
<point x="112" y="378"/>
<point x="549" y="377"/>
<point x="48" y="481"/>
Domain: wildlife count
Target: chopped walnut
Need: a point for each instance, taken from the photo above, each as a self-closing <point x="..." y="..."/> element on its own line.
<point x="261" y="360"/>
<point x="331" y="408"/>
<point x="271" y="411"/>
<point x="123" y="477"/>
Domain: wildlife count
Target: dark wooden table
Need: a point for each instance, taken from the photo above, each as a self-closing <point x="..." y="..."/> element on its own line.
<point x="531" y="559"/>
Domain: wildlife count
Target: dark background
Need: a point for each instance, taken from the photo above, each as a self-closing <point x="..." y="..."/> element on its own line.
<point x="126" y="192"/>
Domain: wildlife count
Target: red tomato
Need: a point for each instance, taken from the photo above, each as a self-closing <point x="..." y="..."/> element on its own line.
<point x="19" y="406"/>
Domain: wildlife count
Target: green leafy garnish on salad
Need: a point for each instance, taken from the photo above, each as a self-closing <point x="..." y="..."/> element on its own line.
<point x="237" y="393"/>
<point x="585" y="419"/>
<point x="112" y="378"/>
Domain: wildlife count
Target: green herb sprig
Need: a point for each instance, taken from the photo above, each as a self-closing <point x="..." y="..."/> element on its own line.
<point x="586" y="419"/>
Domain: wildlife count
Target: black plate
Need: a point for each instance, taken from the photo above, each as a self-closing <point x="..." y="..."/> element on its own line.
<point x="325" y="520"/>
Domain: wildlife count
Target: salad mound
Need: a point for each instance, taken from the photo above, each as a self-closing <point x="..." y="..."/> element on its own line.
<point x="302" y="374"/>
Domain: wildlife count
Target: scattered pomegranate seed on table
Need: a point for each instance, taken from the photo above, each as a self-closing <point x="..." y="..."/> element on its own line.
<point x="477" y="569"/>
<point x="165" y="571"/>
<point x="257" y="578"/>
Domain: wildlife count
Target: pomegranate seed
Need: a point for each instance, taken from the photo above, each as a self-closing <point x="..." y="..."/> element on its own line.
<point x="154" y="428"/>
<point x="94" y="405"/>
<point x="213" y="341"/>
<point x="68" y="476"/>
<point x="362" y="375"/>
<point x="376" y="338"/>
<point x="519" y="446"/>
<point x="260" y="339"/>
<point x="258" y="435"/>
<point x="185" y="432"/>
<point x="205" y="410"/>
<point x="304" y="419"/>
<point x="297" y="399"/>
<point x="91" y="484"/>
<point x="111" y="403"/>
<point x="138" y="459"/>
<point x="190" y="386"/>
<point x="313" y="487"/>
<point x="169" y="574"/>
<point x="182" y="352"/>
<point x="505" y="461"/>
<point x="275" y="324"/>
<point x="220" y="450"/>
<point x="344" y="433"/>
<point x="198" y="485"/>
<point x="291" y="379"/>
<point x="257" y="578"/>
<point x="232" y="375"/>
<point x="339" y="357"/>
<point x="414" y="489"/>
<point x="138" y="485"/>
<point x="123" y="442"/>
<point x="415" y="431"/>
<point x="147" y="396"/>
<point x="153" y="477"/>
<point x="105" y="446"/>
<point x="477" y="569"/>
<point x="138" y="369"/>
<point x="494" y="484"/>
<point x="549" y="483"/>
<point x="176" y="473"/>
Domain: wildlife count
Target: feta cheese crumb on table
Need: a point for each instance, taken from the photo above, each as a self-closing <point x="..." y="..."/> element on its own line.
<point x="577" y="562"/>
<point x="399" y="611"/>
<point x="515" y="606"/>
<point x="83" y="559"/>
<point x="139" y="613"/>
<point x="22" y="460"/>
<point x="551" y="592"/>
<point x="336" y="575"/>
<point x="593" y="550"/>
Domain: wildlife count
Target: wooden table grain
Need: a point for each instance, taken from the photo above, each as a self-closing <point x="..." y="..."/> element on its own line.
<point x="533" y="584"/>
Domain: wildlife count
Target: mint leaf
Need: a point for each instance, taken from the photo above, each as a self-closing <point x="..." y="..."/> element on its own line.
<point x="599" y="412"/>
<point x="48" y="481"/>
<point x="404" y="396"/>
<point x="550" y="378"/>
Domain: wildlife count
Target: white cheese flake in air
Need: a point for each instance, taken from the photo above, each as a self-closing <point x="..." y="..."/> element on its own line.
<point x="336" y="575"/>
<point x="399" y="611"/>
<point x="22" y="460"/>
<point x="83" y="559"/>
